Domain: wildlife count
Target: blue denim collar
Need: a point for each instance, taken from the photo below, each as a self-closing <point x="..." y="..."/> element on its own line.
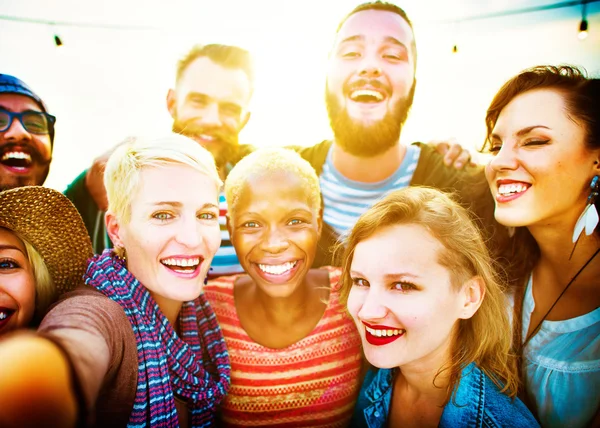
<point x="465" y="409"/>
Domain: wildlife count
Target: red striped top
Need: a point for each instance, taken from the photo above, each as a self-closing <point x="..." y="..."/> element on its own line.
<point x="311" y="383"/>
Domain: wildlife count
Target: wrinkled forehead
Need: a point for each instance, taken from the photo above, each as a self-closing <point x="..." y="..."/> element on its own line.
<point x="376" y="26"/>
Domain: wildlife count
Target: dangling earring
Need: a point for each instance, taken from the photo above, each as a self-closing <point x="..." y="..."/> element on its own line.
<point x="588" y="219"/>
<point x="511" y="231"/>
<point x="120" y="252"/>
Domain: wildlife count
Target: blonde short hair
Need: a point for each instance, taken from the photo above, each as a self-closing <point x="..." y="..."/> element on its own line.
<point x="123" y="168"/>
<point x="271" y="161"/>
<point x="485" y="338"/>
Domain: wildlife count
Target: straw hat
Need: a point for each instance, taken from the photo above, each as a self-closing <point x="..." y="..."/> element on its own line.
<point x="52" y="224"/>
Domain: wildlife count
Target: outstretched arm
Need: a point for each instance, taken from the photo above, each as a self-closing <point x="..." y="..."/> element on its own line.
<point x="35" y="384"/>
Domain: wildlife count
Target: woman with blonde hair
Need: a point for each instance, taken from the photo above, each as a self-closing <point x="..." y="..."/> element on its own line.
<point x="431" y="312"/>
<point x="139" y="345"/>
<point x="44" y="249"/>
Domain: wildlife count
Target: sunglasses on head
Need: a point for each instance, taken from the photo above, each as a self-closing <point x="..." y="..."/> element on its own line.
<point x="35" y="122"/>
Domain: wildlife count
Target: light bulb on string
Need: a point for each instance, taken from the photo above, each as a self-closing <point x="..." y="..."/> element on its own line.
<point x="583" y="25"/>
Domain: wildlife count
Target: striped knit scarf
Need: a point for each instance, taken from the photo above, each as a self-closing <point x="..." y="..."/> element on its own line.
<point x="194" y="367"/>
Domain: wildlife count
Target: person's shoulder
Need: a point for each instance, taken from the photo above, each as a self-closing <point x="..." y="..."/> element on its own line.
<point x="504" y="410"/>
<point x="316" y="154"/>
<point x="85" y="308"/>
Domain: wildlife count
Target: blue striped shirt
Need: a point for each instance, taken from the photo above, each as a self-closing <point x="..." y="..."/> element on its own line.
<point x="345" y="200"/>
<point x="225" y="261"/>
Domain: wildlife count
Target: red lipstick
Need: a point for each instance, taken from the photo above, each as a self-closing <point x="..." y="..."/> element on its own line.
<point x="391" y="334"/>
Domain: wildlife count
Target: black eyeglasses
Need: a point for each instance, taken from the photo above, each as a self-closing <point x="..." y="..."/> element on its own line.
<point x="36" y="122"/>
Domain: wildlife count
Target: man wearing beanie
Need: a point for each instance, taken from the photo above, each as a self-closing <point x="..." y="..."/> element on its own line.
<point x="26" y="135"/>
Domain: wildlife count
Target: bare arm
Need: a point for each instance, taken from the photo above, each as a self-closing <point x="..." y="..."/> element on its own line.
<point x="35" y="384"/>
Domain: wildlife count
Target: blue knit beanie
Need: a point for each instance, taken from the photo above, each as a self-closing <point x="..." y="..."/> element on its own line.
<point x="12" y="85"/>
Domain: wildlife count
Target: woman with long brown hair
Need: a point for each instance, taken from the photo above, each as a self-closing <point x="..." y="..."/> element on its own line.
<point x="543" y="128"/>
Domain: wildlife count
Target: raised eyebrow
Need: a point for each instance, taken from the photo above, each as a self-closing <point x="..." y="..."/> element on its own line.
<point x="520" y="132"/>
<point x="354" y="38"/>
<point x="400" y="275"/>
<point x="197" y="95"/>
<point x="209" y="206"/>
<point x="170" y="203"/>
<point x="355" y="273"/>
<point x="527" y="130"/>
<point x="228" y="104"/>
<point x="395" y="41"/>
<point x="10" y="247"/>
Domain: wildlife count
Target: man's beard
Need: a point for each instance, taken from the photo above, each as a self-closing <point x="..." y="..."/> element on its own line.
<point x="40" y="167"/>
<point x="225" y="146"/>
<point x="367" y="140"/>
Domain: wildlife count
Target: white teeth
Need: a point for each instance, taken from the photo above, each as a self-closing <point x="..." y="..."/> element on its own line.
<point x="277" y="269"/>
<point x="16" y="155"/>
<point x="510" y="189"/>
<point x="384" y="333"/>
<point x="181" y="262"/>
<point x="3" y="315"/>
<point x="367" y="93"/>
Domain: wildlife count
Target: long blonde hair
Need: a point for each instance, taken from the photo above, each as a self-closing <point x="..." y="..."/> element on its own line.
<point x="485" y="338"/>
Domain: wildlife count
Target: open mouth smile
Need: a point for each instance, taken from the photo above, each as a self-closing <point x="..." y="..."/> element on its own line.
<point x="510" y="190"/>
<point x="379" y="335"/>
<point x="367" y="95"/>
<point x="278" y="273"/>
<point x="188" y="267"/>
<point x="17" y="161"/>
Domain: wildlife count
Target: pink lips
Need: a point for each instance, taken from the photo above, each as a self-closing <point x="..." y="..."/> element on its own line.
<point x="507" y="198"/>
<point x="18" y="170"/>
<point x="179" y="271"/>
<point x="381" y="340"/>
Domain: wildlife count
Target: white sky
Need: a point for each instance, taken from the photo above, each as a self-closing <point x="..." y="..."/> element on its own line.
<point x="105" y="84"/>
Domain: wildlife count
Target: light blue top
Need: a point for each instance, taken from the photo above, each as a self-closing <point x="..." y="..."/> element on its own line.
<point x="562" y="368"/>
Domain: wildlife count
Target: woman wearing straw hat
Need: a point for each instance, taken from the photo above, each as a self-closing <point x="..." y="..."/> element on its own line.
<point x="138" y="345"/>
<point x="44" y="248"/>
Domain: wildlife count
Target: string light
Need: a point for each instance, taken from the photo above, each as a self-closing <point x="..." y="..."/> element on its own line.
<point x="583" y="25"/>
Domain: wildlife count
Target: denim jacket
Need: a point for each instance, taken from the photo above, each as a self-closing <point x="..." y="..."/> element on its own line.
<point x="478" y="403"/>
